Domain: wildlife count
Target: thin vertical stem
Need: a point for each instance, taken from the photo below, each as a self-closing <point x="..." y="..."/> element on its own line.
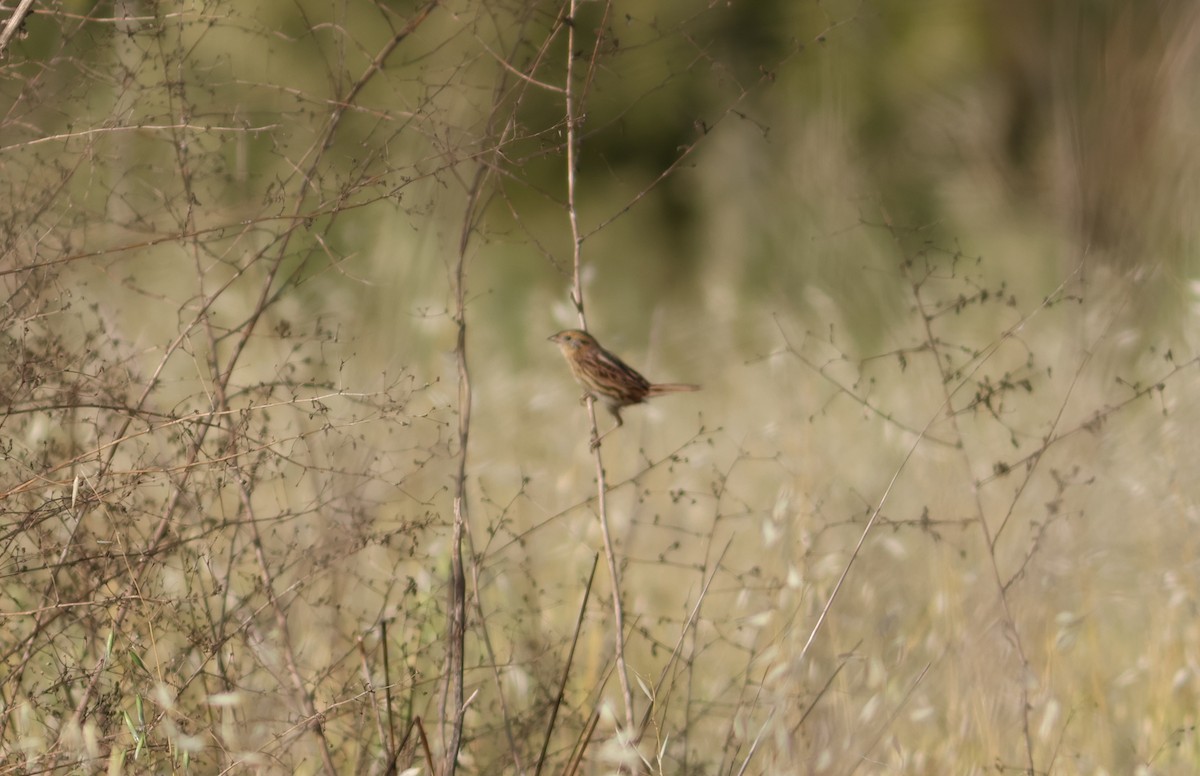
<point x="610" y="554"/>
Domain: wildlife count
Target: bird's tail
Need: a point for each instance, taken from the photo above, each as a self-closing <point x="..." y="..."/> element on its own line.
<point x="658" y="389"/>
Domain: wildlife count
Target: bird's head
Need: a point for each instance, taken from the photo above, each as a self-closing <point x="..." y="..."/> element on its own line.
<point x="572" y="339"/>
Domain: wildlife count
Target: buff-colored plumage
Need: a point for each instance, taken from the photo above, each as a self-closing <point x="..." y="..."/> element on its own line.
<point x="607" y="378"/>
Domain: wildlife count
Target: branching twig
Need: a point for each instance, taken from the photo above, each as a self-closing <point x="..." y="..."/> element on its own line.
<point x="13" y="24"/>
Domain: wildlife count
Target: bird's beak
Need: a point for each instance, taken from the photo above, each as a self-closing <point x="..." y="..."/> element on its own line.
<point x="552" y="338"/>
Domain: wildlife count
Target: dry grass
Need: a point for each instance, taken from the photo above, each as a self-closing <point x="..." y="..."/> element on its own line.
<point x="933" y="511"/>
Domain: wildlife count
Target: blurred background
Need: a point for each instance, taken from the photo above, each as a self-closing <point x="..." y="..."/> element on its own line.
<point x="934" y="264"/>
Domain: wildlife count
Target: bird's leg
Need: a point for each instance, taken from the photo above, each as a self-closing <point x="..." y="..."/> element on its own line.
<point x="616" y="413"/>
